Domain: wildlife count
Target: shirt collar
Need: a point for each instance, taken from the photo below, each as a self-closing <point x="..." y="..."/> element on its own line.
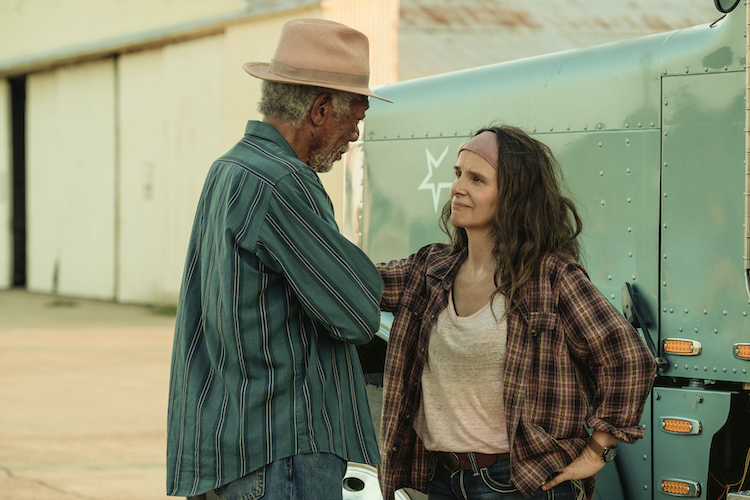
<point x="445" y="268"/>
<point x="268" y="132"/>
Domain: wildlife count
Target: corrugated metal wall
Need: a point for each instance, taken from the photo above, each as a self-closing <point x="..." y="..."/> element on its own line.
<point x="70" y="180"/>
<point x="378" y="19"/>
<point x="117" y="152"/>
<point x="5" y="187"/>
<point x="168" y="139"/>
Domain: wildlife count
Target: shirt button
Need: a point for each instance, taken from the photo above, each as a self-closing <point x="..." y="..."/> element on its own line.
<point x="394" y="449"/>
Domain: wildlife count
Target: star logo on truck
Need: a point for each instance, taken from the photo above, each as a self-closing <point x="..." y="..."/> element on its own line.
<point x="434" y="187"/>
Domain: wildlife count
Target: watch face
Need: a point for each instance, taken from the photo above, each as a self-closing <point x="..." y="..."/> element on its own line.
<point x="609" y="454"/>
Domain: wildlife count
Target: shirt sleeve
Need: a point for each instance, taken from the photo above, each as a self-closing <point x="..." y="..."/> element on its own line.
<point x="621" y="364"/>
<point x="396" y="275"/>
<point x="335" y="282"/>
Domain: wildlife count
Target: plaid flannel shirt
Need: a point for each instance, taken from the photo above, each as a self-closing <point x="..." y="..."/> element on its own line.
<point x="571" y="359"/>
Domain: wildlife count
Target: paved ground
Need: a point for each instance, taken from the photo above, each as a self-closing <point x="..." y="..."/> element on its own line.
<point x="83" y="392"/>
<point x="83" y="400"/>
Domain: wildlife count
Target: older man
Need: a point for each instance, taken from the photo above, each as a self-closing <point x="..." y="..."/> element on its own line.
<point x="267" y="398"/>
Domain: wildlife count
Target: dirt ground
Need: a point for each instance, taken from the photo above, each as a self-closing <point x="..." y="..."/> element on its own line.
<point x="83" y="399"/>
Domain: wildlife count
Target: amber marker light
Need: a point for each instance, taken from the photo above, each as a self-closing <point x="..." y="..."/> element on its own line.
<point x="682" y="347"/>
<point x="681" y="488"/>
<point x="742" y="351"/>
<point x="677" y="425"/>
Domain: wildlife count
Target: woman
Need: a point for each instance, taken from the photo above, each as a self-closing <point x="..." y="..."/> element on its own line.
<point x="501" y="348"/>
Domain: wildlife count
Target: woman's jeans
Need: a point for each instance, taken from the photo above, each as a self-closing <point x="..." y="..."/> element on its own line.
<point x="491" y="483"/>
<point x="315" y="476"/>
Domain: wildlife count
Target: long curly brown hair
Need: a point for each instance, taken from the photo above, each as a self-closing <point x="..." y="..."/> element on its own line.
<point x="534" y="217"/>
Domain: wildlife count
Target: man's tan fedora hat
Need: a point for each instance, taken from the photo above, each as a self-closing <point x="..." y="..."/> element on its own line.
<point x="320" y="53"/>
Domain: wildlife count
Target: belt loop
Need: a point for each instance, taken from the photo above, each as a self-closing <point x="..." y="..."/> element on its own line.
<point x="473" y="463"/>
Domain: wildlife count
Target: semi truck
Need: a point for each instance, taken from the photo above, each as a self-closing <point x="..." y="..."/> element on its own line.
<point x="651" y="135"/>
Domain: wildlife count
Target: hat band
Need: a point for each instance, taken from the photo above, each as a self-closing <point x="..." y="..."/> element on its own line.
<point x="318" y="76"/>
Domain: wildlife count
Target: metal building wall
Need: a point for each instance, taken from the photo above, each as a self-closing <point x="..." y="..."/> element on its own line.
<point x="171" y="128"/>
<point x="118" y="148"/>
<point x="438" y="36"/>
<point x="379" y="20"/>
<point x="6" y="232"/>
<point x="180" y="107"/>
<point x="70" y="174"/>
<point x="117" y="155"/>
<point x="42" y="30"/>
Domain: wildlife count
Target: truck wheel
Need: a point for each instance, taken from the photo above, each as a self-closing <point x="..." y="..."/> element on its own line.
<point x="361" y="483"/>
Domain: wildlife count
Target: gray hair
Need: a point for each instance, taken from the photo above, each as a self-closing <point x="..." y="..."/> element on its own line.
<point x="292" y="102"/>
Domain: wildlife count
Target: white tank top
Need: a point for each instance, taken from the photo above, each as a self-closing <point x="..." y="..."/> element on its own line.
<point x="462" y="406"/>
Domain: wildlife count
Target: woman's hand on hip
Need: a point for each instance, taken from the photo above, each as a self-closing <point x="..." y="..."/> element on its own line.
<point x="586" y="465"/>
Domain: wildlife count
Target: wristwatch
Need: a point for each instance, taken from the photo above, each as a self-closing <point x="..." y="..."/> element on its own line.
<point x="608" y="453"/>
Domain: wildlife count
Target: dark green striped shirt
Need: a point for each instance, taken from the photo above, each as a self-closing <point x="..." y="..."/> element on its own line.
<point x="273" y="300"/>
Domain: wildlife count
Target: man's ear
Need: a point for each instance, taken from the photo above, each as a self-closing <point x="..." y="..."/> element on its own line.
<point x="321" y="110"/>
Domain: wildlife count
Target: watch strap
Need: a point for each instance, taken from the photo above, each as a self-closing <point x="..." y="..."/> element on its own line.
<point x="596" y="447"/>
<point x="601" y="451"/>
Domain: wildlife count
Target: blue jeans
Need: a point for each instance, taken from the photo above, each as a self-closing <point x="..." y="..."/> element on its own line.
<point x="491" y="483"/>
<point x="315" y="476"/>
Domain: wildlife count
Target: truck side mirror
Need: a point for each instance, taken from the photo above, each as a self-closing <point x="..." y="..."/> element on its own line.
<point x="633" y="311"/>
<point x="726" y="6"/>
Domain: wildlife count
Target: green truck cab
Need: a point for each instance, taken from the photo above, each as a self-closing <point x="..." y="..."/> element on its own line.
<point x="651" y="137"/>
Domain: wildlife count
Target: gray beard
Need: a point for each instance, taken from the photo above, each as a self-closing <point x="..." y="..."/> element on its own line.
<point x="321" y="160"/>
